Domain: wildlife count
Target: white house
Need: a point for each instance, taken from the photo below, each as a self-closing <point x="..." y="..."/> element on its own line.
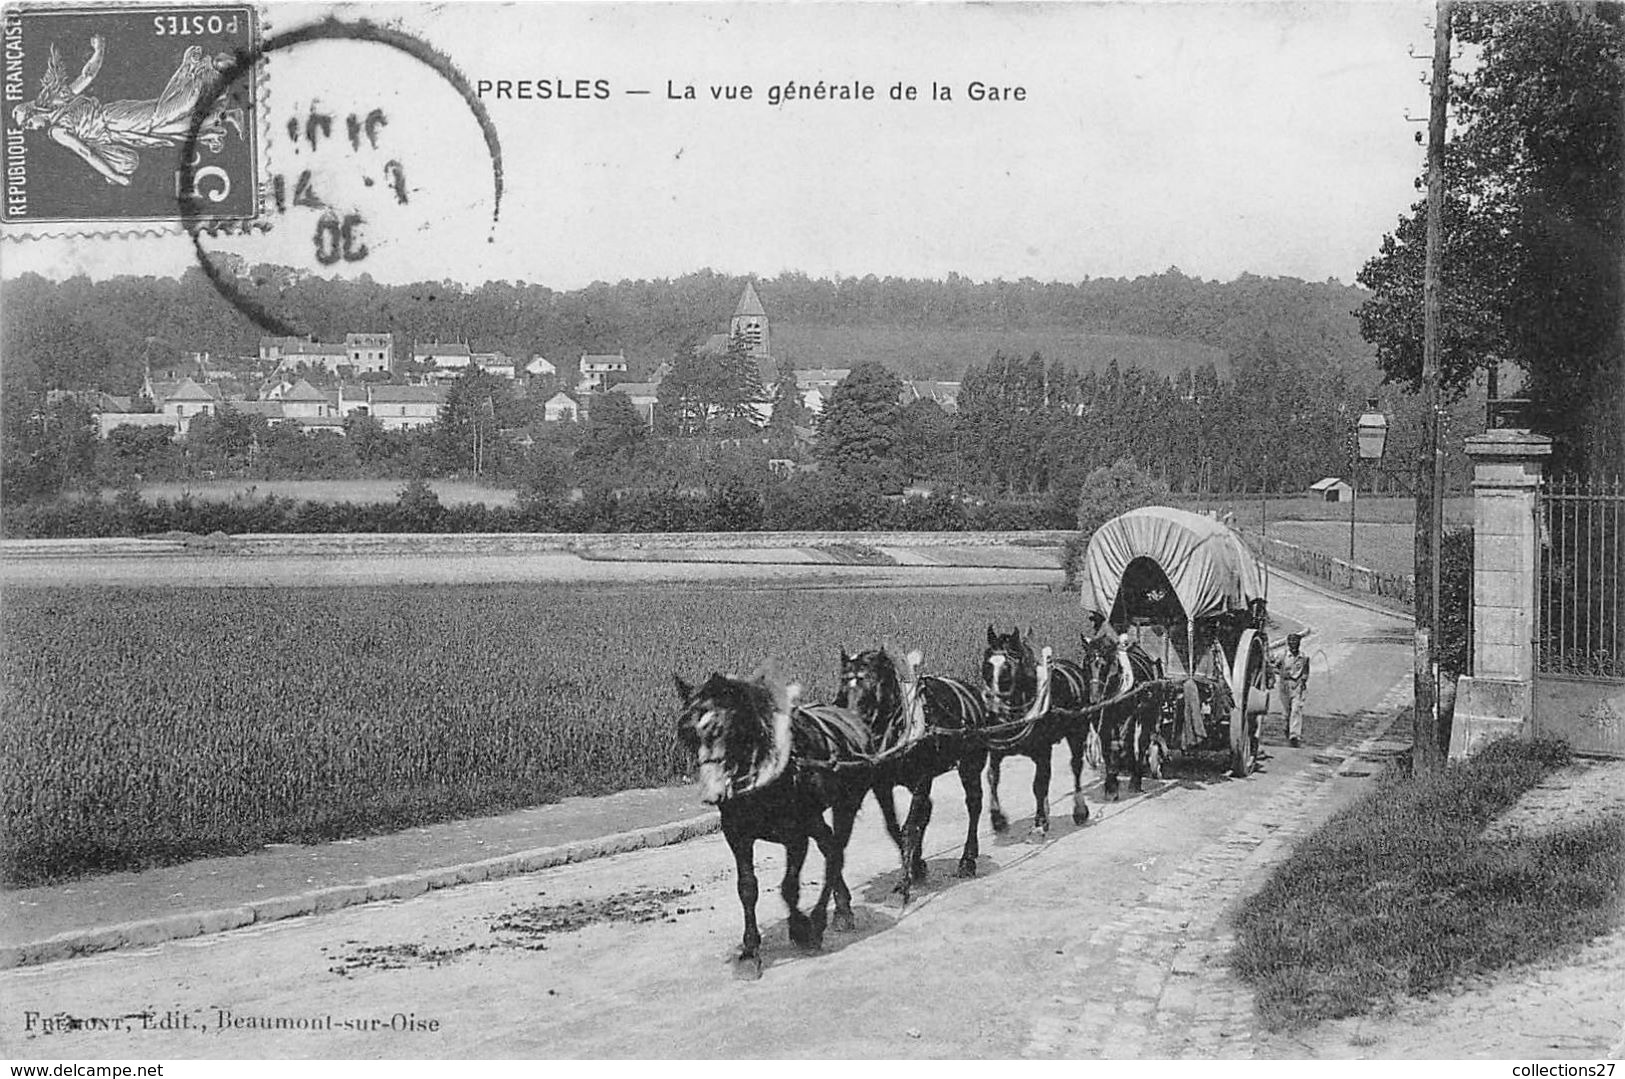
<point x="561" y="408"/>
<point x="399" y="407"/>
<point x="290" y="352"/>
<point x="1332" y="489"/>
<point x="187" y="402"/>
<point x="540" y="367"/>
<point x="370" y="351"/>
<point x="344" y="400"/>
<point x="596" y="369"/>
<point x="447" y="359"/>
<point x="305" y="401"/>
<point x="495" y="363"/>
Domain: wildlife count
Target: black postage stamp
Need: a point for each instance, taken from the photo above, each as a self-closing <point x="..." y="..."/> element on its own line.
<point x="99" y="106"/>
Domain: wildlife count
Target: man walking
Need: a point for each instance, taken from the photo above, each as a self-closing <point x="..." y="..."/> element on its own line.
<point x="1294" y="671"/>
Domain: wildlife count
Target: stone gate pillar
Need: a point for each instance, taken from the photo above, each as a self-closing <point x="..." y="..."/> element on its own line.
<point x="1498" y="698"/>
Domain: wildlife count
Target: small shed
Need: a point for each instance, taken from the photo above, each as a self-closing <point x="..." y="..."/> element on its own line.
<point x="1332" y="489"/>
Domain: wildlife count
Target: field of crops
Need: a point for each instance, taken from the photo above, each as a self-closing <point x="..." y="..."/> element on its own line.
<point x="144" y="726"/>
<point x="1387" y="548"/>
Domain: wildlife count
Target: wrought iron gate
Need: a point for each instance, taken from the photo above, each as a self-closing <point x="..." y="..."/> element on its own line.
<point x="1579" y="628"/>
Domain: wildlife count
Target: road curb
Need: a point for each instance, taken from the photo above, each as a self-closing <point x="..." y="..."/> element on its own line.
<point x="82" y="942"/>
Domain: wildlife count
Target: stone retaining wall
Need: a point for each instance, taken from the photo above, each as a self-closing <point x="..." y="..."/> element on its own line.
<point x="1399" y="588"/>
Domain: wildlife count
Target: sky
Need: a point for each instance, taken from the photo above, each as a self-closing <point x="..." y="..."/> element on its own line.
<point x="1219" y="137"/>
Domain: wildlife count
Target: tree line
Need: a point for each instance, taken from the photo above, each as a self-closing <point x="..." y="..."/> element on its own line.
<point x="83" y="334"/>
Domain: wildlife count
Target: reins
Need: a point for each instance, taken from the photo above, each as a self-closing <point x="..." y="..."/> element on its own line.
<point x="999" y="736"/>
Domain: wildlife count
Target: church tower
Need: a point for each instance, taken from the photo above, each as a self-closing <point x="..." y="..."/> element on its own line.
<point x="750" y="322"/>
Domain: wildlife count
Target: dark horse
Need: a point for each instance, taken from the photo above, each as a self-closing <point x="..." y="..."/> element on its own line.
<point x="1131" y="723"/>
<point x="772" y="767"/>
<point x="1010" y="681"/>
<point x="934" y="738"/>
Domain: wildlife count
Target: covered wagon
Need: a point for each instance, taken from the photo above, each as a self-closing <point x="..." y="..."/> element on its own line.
<point x="1187" y="590"/>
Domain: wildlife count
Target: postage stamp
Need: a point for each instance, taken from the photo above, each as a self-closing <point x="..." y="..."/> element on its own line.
<point x="100" y="108"/>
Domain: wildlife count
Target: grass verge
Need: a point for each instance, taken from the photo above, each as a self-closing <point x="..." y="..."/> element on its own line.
<point x="1399" y="895"/>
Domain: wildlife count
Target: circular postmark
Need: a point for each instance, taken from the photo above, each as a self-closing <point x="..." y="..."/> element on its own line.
<point x="358" y="160"/>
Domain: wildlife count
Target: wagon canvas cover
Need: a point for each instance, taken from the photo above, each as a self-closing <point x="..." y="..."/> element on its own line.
<point x="1211" y="570"/>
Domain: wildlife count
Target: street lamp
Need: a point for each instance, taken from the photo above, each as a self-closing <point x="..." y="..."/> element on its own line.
<point x="1372" y="436"/>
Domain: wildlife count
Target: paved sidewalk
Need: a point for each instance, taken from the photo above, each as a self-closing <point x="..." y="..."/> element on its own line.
<point x="1173" y="995"/>
<point x="284" y="880"/>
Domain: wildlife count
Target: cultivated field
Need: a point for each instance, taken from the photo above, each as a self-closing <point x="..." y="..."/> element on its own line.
<point x="152" y="724"/>
<point x="1387" y="548"/>
<point x="1384" y="530"/>
<point x="1252" y="512"/>
<point x="915" y="352"/>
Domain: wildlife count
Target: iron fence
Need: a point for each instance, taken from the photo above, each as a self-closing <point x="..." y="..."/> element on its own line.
<point x="1579" y="632"/>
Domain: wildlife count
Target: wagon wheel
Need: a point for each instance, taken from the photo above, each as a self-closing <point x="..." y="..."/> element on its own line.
<point x="1249" y="694"/>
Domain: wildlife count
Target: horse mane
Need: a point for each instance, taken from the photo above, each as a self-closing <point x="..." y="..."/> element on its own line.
<point x="828" y="733"/>
<point x="968" y="710"/>
<point x="889" y="719"/>
<point x="762" y="708"/>
<point x="1105" y="646"/>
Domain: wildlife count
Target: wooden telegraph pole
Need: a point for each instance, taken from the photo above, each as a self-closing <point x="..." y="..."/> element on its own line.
<point x="1426" y="752"/>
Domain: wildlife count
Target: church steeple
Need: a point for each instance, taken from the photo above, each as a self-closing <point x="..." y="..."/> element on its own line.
<point x="750" y="322"/>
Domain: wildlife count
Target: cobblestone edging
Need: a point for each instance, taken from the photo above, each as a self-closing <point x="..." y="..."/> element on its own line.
<point x="1176" y="997"/>
<point x="322" y="900"/>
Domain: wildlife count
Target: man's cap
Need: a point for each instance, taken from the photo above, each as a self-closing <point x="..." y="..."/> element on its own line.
<point x="1294" y="638"/>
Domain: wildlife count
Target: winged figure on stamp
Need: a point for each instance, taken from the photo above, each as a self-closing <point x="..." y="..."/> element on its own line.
<point x="109" y="135"/>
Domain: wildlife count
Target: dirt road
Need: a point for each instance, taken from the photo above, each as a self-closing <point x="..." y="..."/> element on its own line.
<point x="1107" y="940"/>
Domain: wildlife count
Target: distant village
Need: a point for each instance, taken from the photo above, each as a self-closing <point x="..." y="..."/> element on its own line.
<point x="316" y="386"/>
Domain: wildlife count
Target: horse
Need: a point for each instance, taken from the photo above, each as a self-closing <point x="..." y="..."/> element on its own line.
<point x="1010" y="683"/>
<point x="871" y="686"/>
<point x="1131" y="723"/>
<point x="772" y="766"/>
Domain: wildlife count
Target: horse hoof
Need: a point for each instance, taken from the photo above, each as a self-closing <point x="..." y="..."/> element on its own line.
<point x="1037" y="835"/>
<point x="748" y="968"/>
<point x="1080" y="816"/>
<point x="801" y="930"/>
<point x="844" y="922"/>
<point x="1136" y="788"/>
<point x="921" y="871"/>
<point x="967" y="867"/>
<point x="1000" y="824"/>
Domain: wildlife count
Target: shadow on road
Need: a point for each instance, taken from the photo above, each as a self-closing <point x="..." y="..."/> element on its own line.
<point x="779" y="951"/>
<point x="941" y="875"/>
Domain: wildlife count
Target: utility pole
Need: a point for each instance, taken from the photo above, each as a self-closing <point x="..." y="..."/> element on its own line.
<point x="1426" y="752"/>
